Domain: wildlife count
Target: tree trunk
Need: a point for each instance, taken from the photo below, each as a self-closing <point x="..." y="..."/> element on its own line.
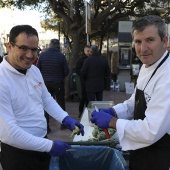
<point x="71" y="63"/>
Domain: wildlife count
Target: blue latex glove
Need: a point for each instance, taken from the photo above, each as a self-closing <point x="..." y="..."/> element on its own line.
<point x="108" y="110"/>
<point x="101" y="119"/>
<point x="59" y="148"/>
<point x="70" y="123"/>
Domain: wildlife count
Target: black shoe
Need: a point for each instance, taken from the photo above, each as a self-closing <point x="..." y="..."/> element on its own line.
<point x="62" y="127"/>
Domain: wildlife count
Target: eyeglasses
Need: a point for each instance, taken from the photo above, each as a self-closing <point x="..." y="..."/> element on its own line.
<point x="25" y="49"/>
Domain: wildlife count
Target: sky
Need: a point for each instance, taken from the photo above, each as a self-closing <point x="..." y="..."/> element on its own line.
<point x="10" y="18"/>
<point x="31" y="17"/>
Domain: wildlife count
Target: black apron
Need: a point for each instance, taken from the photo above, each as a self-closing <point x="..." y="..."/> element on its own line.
<point x="156" y="156"/>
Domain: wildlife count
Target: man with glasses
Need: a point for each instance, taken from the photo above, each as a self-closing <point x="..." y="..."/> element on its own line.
<point x="23" y="99"/>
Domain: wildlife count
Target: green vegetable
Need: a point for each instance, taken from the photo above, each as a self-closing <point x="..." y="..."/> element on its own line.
<point x="93" y="140"/>
<point x="101" y="136"/>
<point x="111" y="131"/>
<point x="75" y="131"/>
<point x="95" y="132"/>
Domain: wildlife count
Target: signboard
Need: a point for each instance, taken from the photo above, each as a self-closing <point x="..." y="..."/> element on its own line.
<point x="125" y="26"/>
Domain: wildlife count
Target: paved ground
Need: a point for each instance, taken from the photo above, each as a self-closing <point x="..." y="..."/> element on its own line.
<point x="72" y="108"/>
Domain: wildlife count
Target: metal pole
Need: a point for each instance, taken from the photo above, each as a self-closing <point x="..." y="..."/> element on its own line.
<point x="88" y="43"/>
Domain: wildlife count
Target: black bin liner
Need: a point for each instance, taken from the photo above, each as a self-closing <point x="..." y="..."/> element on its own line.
<point x="90" y="158"/>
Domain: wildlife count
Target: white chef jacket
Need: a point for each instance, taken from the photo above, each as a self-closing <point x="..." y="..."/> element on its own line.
<point x="23" y="99"/>
<point x="135" y="134"/>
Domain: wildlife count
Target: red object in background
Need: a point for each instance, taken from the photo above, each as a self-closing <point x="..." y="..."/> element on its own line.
<point x="35" y="62"/>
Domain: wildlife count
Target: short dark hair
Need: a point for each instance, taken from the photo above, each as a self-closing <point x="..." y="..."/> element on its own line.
<point x="150" y="20"/>
<point x="54" y="43"/>
<point x="87" y="46"/>
<point x="94" y="49"/>
<point x="16" y="30"/>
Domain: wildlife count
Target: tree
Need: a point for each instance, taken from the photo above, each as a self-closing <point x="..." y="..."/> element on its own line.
<point x="104" y="18"/>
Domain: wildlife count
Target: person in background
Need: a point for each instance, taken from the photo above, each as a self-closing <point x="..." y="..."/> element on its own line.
<point x="94" y="72"/>
<point x="38" y="54"/>
<point x="1" y="55"/>
<point x="1" y="59"/>
<point x="142" y="121"/>
<point x="79" y="64"/>
<point x="23" y="99"/>
<point x="1" y="52"/>
<point x="35" y="61"/>
<point x="114" y="66"/>
<point x="53" y="66"/>
<point x="168" y="47"/>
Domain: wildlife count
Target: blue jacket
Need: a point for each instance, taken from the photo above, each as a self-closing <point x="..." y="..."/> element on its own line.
<point x="53" y="65"/>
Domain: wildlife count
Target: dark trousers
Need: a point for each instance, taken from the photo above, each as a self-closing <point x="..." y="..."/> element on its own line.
<point x="17" y="159"/>
<point x="57" y="90"/>
<point x="153" y="157"/>
<point x="95" y="96"/>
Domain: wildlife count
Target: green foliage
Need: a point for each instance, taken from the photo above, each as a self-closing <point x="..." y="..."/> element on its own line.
<point x="105" y="13"/>
<point x="23" y="4"/>
<point x="69" y="17"/>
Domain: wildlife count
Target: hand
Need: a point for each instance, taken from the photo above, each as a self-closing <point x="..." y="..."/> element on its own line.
<point x="71" y="124"/>
<point x="59" y="148"/>
<point x="108" y="110"/>
<point x="101" y="119"/>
